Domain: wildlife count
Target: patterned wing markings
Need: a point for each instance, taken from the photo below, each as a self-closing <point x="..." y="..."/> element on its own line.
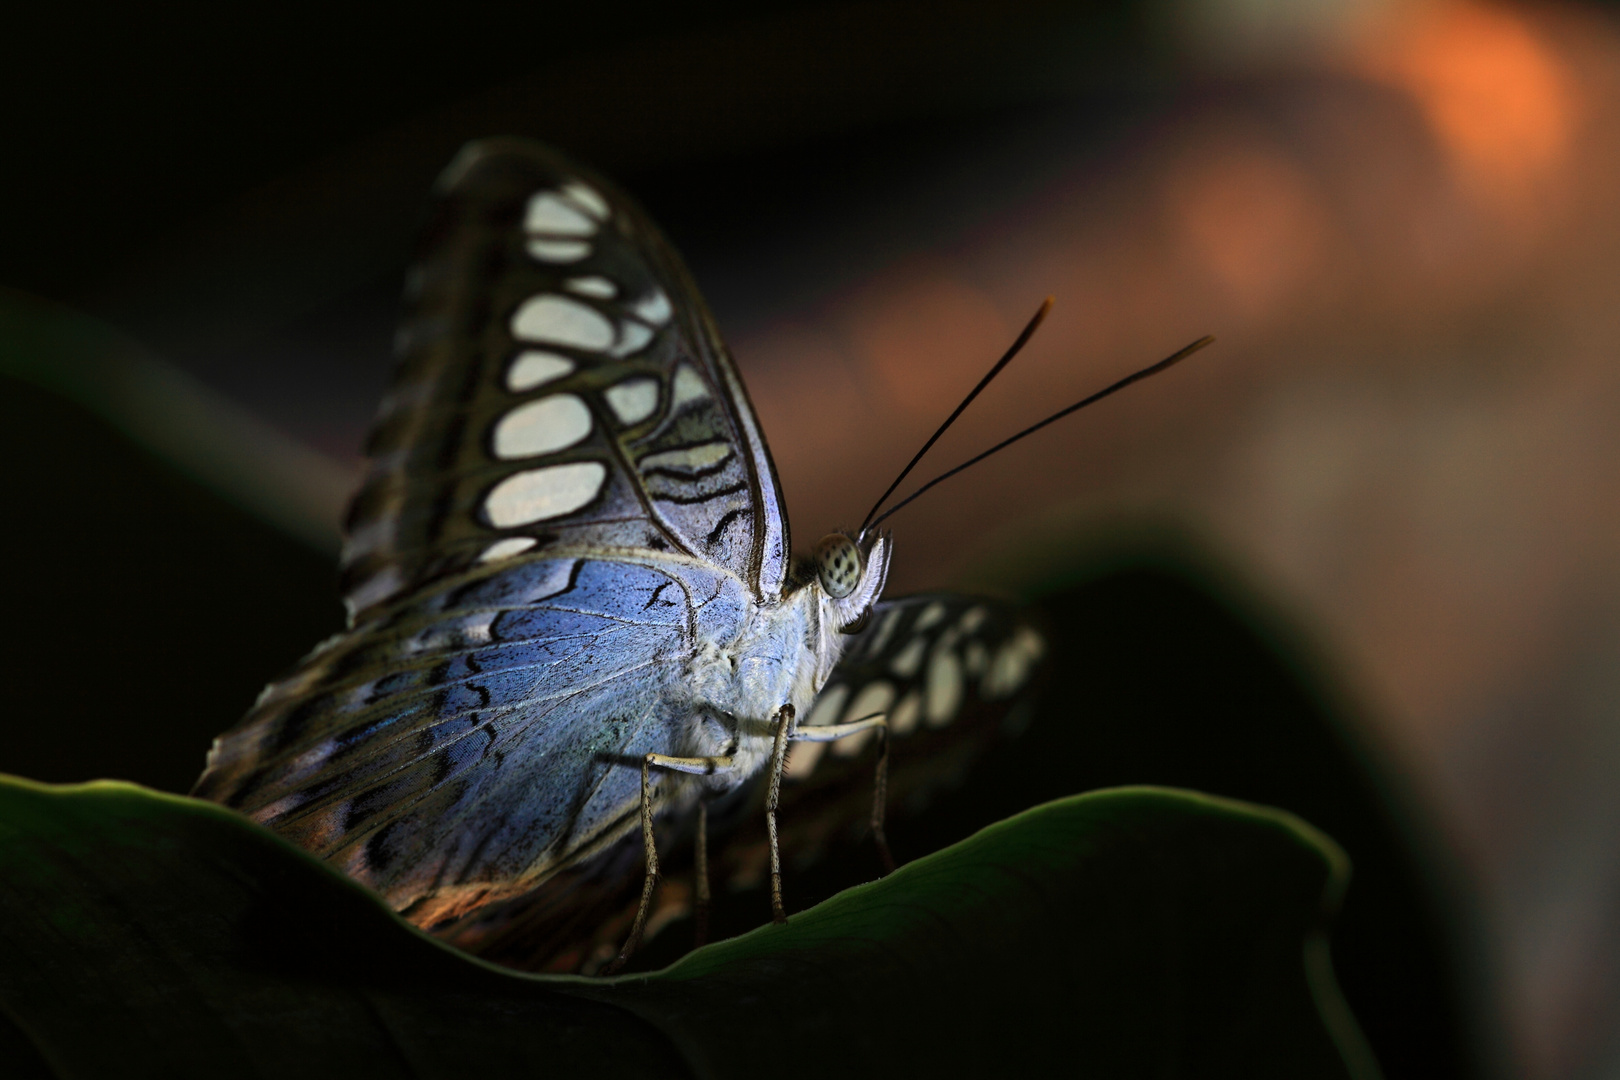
<point x="561" y="387"/>
<point x="930" y="662"/>
<point x="584" y="912"/>
<point x="463" y="746"/>
<point x="570" y="526"/>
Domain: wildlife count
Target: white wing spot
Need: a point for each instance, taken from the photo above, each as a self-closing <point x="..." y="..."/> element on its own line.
<point x="505" y="549"/>
<point x="557" y="320"/>
<point x="543" y="426"/>
<point x="944" y="687"/>
<point x="1033" y="644"/>
<point x="689" y="386"/>
<point x="633" y="337"/>
<point x="875" y="697"/>
<point x="974" y="658"/>
<point x="633" y="400"/>
<point x="827" y="707"/>
<point x="586" y="196"/>
<point x="909" y="659"/>
<point x="931" y="616"/>
<point x="593" y="285"/>
<point x="801" y="760"/>
<point x="904" y="717"/>
<point x="1012" y="664"/>
<point x="880" y="636"/>
<point x="539" y="494"/>
<point x="972" y="619"/>
<point x="550" y="214"/>
<point x="534" y="368"/>
<point x="654" y="309"/>
<point x="1005" y="675"/>
<point x="557" y="251"/>
<point x="688" y="458"/>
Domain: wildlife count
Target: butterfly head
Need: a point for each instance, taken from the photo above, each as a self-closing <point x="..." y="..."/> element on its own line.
<point x="850" y="573"/>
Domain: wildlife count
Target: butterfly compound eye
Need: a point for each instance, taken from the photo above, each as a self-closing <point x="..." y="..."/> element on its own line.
<point x="838" y="561"/>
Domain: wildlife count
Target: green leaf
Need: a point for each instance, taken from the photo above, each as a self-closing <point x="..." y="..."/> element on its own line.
<point x="1136" y="931"/>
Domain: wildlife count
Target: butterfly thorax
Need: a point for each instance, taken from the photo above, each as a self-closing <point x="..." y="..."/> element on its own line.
<point x="781" y="654"/>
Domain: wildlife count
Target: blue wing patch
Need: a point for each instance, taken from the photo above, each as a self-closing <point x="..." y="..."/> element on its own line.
<point x="471" y="741"/>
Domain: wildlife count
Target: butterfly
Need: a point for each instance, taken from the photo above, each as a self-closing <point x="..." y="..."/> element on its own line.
<point x="575" y="617"/>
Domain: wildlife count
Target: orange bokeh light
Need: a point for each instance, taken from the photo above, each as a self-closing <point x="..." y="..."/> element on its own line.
<point x="927" y="335"/>
<point x="1499" y="99"/>
<point x="1251" y="217"/>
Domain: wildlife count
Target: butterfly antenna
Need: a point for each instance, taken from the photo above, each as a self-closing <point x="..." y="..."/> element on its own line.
<point x="1172" y="359"/>
<point x="1023" y="339"/>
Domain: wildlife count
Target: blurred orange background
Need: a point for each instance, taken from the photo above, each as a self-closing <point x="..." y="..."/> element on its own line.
<point x="1400" y="221"/>
<point x="1403" y="228"/>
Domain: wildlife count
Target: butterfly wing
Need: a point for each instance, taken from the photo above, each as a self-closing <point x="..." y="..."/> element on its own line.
<point x="956" y="675"/>
<point x="925" y="662"/>
<point x="462" y="747"/>
<point x="952" y="673"/>
<point x="568" y="495"/>
<point x="561" y="386"/>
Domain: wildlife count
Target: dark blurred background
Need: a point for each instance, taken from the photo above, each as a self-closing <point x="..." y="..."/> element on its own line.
<point x="1398" y="217"/>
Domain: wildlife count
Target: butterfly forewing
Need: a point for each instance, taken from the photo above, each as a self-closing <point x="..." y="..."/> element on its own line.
<point x="561" y="387"/>
<point x="568" y="492"/>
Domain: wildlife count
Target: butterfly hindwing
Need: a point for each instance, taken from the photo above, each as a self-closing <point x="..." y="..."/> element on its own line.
<point x="952" y="673"/>
<point x="561" y="386"/>
<point x="924" y="661"/>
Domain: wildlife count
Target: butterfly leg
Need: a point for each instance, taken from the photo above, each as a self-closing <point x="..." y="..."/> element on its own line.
<point x="700" y="890"/>
<point x="773" y="795"/>
<point x="787" y="731"/>
<point x="880" y="787"/>
<point x="880" y="801"/>
<point x="702" y="766"/>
